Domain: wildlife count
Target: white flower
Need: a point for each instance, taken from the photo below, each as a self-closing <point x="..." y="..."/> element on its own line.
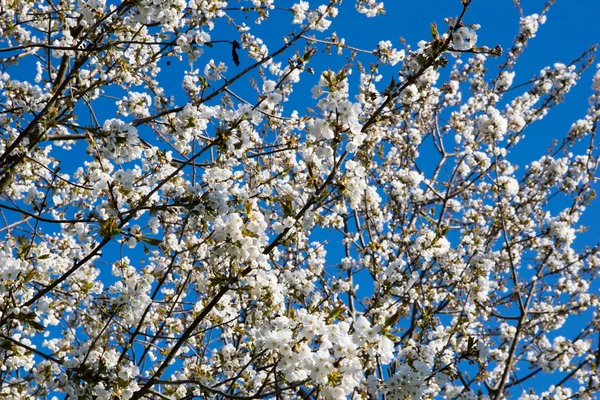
<point x="388" y="54"/>
<point x="320" y="130"/>
<point x="131" y="242"/>
<point x="505" y="80"/>
<point x="370" y="8"/>
<point x="213" y="71"/>
<point x="317" y="91"/>
<point x="464" y="38"/>
<point x="299" y="9"/>
<point x="493" y="126"/>
<point x="596" y="80"/>
<point x="509" y="185"/>
<point x="269" y="86"/>
<point x="530" y="24"/>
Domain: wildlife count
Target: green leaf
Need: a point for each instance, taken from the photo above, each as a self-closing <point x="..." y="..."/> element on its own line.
<point x="391" y="320"/>
<point x="434" y="30"/>
<point x="29" y="318"/>
<point x="151" y="241"/>
<point x="36" y="325"/>
<point x="336" y="312"/>
<point x="6" y="345"/>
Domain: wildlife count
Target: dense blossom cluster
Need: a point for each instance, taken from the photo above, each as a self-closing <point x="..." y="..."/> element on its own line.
<point x="201" y="236"/>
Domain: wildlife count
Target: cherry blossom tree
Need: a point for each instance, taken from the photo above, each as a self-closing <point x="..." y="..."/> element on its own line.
<point x="175" y="226"/>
